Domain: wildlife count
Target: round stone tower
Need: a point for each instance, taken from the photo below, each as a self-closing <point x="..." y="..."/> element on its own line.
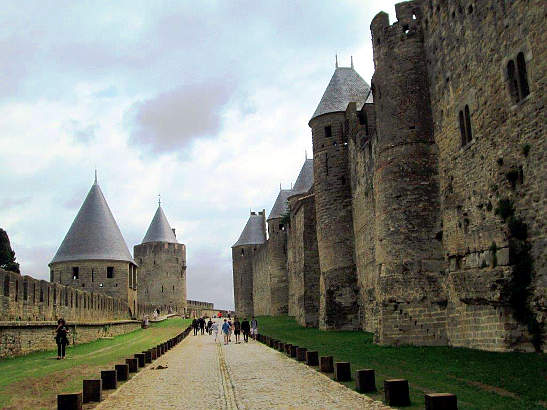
<point x="94" y="256"/>
<point x="408" y="232"/>
<point x="243" y="251"/>
<point x="338" y="281"/>
<point x="162" y="273"/>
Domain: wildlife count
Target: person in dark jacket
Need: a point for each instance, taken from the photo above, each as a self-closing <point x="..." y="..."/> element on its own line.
<point x="202" y="325"/>
<point x="61" y="337"/>
<point x="195" y="326"/>
<point x="237" y="329"/>
<point x="245" y="328"/>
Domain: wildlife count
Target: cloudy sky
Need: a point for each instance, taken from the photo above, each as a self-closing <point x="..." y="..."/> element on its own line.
<point x="206" y="103"/>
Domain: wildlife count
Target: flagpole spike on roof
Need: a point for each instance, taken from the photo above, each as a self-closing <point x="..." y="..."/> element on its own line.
<point x="159" y="199"/>
<point x="351" y="61"/>
<point x="280" y="186"/>
<point x="95" y="176"/>
<point x="336" y="56"/>
<point x="306" y="154"/>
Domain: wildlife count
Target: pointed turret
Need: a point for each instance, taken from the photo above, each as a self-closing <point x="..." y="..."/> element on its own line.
<point x="281" y="206"/>
<point x="254" y="232"/>
<point x="304" y="181"/>
<point x="345" y="86"/>
<point x="94" y="234"/>
<point x="159" y="229"/>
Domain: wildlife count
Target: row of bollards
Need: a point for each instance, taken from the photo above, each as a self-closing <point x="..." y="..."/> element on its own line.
<point x="92" y="388"/>
<point x="396" y="391"/>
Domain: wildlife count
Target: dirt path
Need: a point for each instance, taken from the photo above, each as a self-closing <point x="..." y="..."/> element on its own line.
<point x="202" y="374"/>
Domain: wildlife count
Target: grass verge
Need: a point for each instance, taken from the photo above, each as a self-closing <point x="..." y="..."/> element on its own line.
<point x="33" y="381"/>
<point x="481" y="380"/>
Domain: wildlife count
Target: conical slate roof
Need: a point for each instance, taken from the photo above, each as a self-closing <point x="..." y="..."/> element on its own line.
<point x="254" y="232"/>
<point x="159" y="229"/>
<point x="94" y="233"/>
<point x="344" y="87"/>
<point x="281" y="205"/>
<point x="305" y="178"/>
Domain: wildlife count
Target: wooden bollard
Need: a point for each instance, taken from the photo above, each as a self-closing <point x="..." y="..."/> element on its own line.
<point x="293" y="350"/>
<point x="109" y="379"/>
<point x="441" y="401"/>
<point x="288" y="348"/>
<point x="312" y="358"/>
<point x="140" y="359"/>
<point x="281" y="347"/>
<point x="133" y="365"/>
<point x="396" y="392"/>
<point x="365" y="381"/>
<point x="326" y="364"/>
<point x="122" y="372"/>
<point x="301" y="354"/>
<point x="92" y="390"/>
<point x="342" y="371"/>
<point x="69" y="401"/>
<point x="147" y="356"/>
<point x="153" y="354"/>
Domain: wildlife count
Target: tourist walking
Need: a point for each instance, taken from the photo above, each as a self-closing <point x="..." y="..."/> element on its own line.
<point x="226" y="331"/>
<point x="254" y="328"/>
<point x="214" y="329"/>
<point x="245" y="328"/>
<point x="209" y="324"/>
<point x="195" y="326"/>
<point x="237" y="329"/>
<point x="202" y="325"/>
<point x="230" y="330"/>
<point x="61" y="338"/>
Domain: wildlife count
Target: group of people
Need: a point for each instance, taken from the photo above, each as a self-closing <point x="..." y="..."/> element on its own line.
<point x="228" y="328"/>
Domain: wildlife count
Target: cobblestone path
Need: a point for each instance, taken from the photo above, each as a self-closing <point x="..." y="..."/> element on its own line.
<point x="202" y="374"/>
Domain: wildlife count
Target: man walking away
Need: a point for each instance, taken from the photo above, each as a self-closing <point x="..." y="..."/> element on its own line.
<point x="209" y="324"/>
<point x="237" y="329"/>
<point x="225" y="330"/>
<point x="254" y="328"/>
<point x="202" y="325"/>
<point x="245" y="328"/>
<point x="195" y="326"/>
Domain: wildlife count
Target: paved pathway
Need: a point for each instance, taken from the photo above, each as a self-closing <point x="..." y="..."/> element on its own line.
<point x="202" y="374"/>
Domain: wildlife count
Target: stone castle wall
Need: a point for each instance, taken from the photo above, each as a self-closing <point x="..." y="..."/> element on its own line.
<point x="24" y="298"/>
<point x="162" y="275"/>
<point x="242" y="261"/>
<point x="429" y="204"/>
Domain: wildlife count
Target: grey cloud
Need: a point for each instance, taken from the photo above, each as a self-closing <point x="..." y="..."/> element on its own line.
<point x="8" y="203"/>
<point x="173" y="120"/>
<point x="81" y="132"/>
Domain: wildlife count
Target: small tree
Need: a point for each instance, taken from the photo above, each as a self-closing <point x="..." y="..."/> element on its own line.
<point x="7" y="255"/>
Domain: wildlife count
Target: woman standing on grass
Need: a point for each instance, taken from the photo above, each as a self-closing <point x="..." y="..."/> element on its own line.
<point x="61" y="338"/>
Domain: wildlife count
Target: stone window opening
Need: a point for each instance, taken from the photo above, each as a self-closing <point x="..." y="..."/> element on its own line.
<point x="110" y="272"/>
<point x="75" y="273"/>
<point x="242" y="252"/>
<point x="92" y="275"/>
<point x="101" y="285"/>
<point x="464" y="118"/>
<point x="328" y="131"/>
<point x="6" y="286"/>
<point x="513" y="82"/>
<point x="518" y="78"/>
<point x="161" y="288"/>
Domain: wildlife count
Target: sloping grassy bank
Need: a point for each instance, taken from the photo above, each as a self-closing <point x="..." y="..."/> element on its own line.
<point x="33" y="381"/>
<point x="481" y="380"/>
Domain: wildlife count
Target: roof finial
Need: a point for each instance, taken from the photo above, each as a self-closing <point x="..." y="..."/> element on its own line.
<point x="336" y="60"/>
<point x="306" y="154"/>
<point x="351" y="61"/>
<point x="159" y="199"/>
<point x="95" y="176"/>
<point x="280" y="186"/>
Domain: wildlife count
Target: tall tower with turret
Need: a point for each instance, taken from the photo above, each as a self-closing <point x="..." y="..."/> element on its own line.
<point x="162" y="261"/>
<point x="243" y="251"/>
<point x="94" y="256"/>
<point x="407" y="201"/>
<point x="338" y="281"/>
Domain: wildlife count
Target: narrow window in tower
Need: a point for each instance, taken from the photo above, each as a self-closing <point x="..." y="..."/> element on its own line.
<point x="75" y="272"/>
<point x="92" y="275"/>
<point x="6" y="286"/>
<point x="242" y="252"/>
<point x="328" y="132"/>
<point x="513" y="83"/>
<point x="468" y="131"/>
<point x="173" y="288"/>
<point x="41" y="295"/>
<point x="161" y="288"/>
<point x="110" y="272"/>
<point x="51" y="278"/>
<point x="25" y="290"/>
<point x="462" y="127"/>
<point x="523" y="76"/>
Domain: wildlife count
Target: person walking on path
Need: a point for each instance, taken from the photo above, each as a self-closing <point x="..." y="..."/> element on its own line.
<point x="254" y="328"/>
<point x="202" y="325"/>
<point x="214" y="329"/>
<point x="245" y="328"/>
<point x="230" y="331"/>
<point x="209" y="324"/>
<point x="226" y="331"/>
<point x="237" y="329"/>
<point x="195" y="326"/>
<point x="61" y="338"/>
